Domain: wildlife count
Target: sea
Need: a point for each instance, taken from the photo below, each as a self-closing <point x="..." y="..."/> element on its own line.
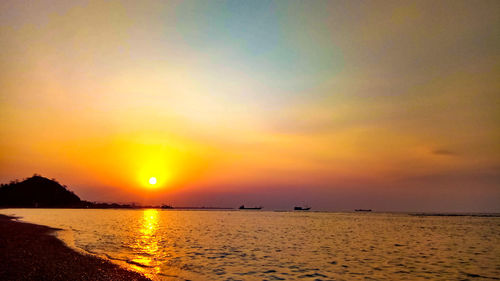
<point x="270" y="245"/>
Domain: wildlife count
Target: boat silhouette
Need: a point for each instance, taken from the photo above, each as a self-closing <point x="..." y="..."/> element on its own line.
<point x="296" y="208"/>
<point x="363" y="210"/>
<point x="242" y="207"/>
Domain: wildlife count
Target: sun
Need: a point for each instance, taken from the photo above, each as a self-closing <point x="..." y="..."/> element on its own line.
<point x="152" y="180"/>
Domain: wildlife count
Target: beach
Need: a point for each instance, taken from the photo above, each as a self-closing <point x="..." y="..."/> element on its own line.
<point x="30" y="252"/>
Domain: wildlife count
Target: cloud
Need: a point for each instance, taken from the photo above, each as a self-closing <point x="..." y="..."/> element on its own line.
<point x="444" y="152"/>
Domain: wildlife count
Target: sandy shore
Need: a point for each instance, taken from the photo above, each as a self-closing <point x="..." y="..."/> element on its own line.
<point x="29" y="252"/>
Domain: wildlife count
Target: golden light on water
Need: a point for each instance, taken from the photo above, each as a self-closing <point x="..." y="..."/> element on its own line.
<point x="149" y="223"/>
<point x="146" y="245"/>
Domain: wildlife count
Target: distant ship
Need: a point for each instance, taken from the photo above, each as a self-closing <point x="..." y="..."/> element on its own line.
<point x="363" y="210"/>
<point x="301" y="208"/>
<point x="242" y="207"/>
<point x="166" y="207"/>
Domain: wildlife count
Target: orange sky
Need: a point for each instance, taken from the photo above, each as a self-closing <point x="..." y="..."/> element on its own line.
<point x="339" y="105"/>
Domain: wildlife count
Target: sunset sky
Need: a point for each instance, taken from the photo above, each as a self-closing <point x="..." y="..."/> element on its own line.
<point x="389" y="105"/>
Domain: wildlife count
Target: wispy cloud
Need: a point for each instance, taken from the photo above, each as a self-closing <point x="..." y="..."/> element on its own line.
<point x="444" y="152"/>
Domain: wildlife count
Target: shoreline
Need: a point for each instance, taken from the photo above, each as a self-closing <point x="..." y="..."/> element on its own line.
<point x="30" y="252"/>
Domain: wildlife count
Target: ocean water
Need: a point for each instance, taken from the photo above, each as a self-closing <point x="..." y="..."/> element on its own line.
<point x="260" y="245"/>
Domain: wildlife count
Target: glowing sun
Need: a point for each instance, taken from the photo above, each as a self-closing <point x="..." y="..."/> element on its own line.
<point x="152" y="180"/>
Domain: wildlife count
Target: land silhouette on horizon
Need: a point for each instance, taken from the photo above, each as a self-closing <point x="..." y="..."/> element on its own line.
<point x="40" y="192"/>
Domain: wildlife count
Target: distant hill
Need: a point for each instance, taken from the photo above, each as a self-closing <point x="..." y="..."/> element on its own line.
<point x="41" y="192"/>
<point x="38" y="192"/>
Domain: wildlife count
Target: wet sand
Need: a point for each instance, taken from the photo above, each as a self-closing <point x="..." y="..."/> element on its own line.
<point x="30" y="252"/>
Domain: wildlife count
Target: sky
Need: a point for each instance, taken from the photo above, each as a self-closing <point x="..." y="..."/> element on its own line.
<point x="389" y="105"/>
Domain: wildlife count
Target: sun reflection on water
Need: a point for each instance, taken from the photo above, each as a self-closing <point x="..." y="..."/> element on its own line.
<point x="146" y="245"/>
